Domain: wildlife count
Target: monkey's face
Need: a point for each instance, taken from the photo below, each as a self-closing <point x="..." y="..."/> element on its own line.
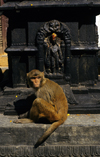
<point x="36" y="81"/>
<point x="35" y="78"/>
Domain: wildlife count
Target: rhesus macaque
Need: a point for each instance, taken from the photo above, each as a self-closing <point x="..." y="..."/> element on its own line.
<point x="50" y="103"/>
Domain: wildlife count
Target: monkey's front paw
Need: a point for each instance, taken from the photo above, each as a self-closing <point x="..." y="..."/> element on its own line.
<point x="17" y="121"/>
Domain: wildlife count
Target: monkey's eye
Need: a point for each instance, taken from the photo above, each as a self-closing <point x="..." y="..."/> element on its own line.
<point x="39" y="77"/>
<point x="33" y="78"/>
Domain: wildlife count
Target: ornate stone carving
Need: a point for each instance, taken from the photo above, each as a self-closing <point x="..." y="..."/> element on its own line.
<point x="55" y="151"/>
<point x="53" y="41"/>
<point x="53" y="26"/>
<point x="53" y="54"/>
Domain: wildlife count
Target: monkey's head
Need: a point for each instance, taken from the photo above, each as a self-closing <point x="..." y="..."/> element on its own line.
<point x="36" y="78"/>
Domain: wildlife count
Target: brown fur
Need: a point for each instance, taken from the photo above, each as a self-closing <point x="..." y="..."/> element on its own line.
<point x="51" y="103"/>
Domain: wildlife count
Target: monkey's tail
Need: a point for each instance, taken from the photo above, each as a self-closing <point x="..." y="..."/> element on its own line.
<point x="49" y="131"/>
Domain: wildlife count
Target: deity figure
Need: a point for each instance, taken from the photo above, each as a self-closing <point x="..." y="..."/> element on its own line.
<point x="53" y="57"/>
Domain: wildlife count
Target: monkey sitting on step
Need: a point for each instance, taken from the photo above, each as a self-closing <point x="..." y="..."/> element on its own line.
<point x="50" y="103"/>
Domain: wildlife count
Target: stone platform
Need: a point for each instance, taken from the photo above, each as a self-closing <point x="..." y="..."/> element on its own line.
<point x="81" y="99"/>
<point x="79" y="136"/>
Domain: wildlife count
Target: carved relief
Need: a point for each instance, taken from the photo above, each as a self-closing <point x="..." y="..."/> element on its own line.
<point x="51" y="150"/>
<point x="54" y="61"/>
<point x="53" y="26"/>
<point x="54" y="38"/>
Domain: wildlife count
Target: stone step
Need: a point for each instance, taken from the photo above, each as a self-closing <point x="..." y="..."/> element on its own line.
<point x="13" y="101"/>
<point x="78" y="136"/>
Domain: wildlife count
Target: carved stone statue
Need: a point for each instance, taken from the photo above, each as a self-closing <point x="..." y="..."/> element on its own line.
<point x="53" y="41"/>
<point x="53" y="56"/>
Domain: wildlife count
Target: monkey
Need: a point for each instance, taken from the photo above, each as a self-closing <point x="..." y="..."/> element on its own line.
<point x="50" y="103"/>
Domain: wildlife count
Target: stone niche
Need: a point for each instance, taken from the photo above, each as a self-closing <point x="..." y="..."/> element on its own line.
<point x="72" y="59"/>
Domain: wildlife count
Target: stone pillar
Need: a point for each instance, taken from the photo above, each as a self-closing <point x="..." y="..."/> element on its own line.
<point x="40" y="56"/>
<point x="67" y="60"/>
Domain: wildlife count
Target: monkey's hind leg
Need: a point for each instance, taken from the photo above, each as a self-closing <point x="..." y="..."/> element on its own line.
<point x="41" y="108"/>
<point x="23" y="121"/>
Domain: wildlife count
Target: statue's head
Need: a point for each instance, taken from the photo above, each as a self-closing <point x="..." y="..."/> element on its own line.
<point x="54" y="35"/>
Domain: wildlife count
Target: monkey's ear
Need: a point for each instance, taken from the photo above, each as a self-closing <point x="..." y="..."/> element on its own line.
<point x="43" y="73"/>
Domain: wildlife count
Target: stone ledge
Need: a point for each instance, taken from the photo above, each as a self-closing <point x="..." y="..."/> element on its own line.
<point x="49" y="3"/>
<point x="80" y="90"/>
<point x="77" y="130"/>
